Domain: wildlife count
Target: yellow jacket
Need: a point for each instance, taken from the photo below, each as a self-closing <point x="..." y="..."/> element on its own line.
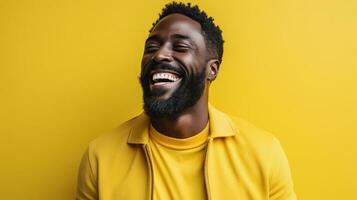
<point x="242" y="162"/>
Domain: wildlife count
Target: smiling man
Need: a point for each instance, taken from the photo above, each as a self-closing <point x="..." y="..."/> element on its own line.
<point x="181" y="147"/>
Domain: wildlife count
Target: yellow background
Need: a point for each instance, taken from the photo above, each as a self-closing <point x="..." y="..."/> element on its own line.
<point x="69" y="72"/>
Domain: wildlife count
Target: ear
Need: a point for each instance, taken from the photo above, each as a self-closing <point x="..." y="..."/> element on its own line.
<point x="213" y="68"/>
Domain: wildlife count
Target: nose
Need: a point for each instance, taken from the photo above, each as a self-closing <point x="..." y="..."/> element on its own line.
<point x="163" y="54"/>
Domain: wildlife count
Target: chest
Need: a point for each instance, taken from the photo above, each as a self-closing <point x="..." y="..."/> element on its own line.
<point x="219" y="172"/>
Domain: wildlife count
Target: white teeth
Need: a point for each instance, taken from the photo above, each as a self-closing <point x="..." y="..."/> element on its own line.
<point x="164" y="75"/>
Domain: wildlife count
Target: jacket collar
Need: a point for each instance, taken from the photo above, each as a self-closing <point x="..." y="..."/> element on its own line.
<point x="221" y="125"/>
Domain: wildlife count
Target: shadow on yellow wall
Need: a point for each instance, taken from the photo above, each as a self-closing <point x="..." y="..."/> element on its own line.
<point x="69" y="71"/>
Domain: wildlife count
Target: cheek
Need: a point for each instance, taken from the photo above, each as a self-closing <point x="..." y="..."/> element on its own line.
<point x="192" y="62"/>
<point x="144" y="61"/>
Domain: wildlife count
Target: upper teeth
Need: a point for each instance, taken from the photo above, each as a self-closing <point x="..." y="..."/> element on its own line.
<point x="165" y="75"/>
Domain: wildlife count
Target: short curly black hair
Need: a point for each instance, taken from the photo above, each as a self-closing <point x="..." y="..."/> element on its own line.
<point x="211" y="32"/>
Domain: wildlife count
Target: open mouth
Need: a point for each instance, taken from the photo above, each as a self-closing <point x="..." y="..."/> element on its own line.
<point x="163" y="78"/>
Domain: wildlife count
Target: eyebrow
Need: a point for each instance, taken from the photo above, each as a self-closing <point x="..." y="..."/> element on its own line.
<point x="154" y="37"/>
<point x="183" y="37"/>
<point x="174" y="36"/>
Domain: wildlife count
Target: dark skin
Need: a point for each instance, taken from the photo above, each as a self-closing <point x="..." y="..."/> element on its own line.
<point x="178" y="39"/>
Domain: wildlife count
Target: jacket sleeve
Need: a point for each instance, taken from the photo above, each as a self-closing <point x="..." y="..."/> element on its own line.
<point x="281" y="185"/>
<point x="87" y="188"/>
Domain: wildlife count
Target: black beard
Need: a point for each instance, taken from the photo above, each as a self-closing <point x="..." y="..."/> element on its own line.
<point x="186" y="95"/>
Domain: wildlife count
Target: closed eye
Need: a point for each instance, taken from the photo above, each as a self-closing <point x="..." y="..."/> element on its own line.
<point x="181" y="47"/>
<point x="151" y="48"/>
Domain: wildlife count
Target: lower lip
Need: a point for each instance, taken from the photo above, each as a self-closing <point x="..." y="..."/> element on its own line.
<point x="165" y="85"/>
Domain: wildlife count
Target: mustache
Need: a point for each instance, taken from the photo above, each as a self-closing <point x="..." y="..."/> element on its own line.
<point x="153" y="65"/>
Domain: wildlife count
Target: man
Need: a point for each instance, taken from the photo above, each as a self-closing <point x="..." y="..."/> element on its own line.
<point x="181" y="147"/>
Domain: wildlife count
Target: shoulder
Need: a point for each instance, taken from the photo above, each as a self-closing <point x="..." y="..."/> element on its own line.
<point x="250" y="131"/>
<point x="266" y="148"/>
<point x="254" y="140"/>
<point x="112" y="139"/>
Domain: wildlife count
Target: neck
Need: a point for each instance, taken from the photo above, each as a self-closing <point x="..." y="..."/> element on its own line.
<point x="192" y="121"/>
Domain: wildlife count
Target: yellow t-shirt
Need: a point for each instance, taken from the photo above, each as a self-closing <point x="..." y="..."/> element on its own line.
<point x="178" y="165"/>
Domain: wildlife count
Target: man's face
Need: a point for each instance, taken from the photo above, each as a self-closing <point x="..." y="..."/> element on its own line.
<point x="173" y="67"/>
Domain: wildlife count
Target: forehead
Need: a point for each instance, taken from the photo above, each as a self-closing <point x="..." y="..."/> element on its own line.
<point x="177" y="24"/>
